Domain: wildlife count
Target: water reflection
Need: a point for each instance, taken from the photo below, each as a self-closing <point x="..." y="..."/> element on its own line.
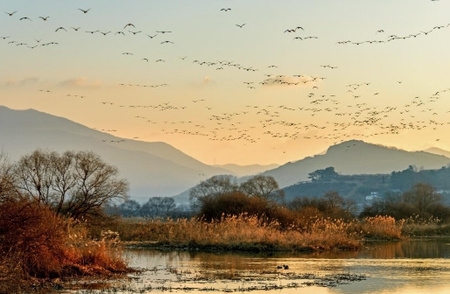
<point x="404" y="267"/>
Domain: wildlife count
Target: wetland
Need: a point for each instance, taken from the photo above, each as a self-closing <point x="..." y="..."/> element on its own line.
<point x="409" y="266"/>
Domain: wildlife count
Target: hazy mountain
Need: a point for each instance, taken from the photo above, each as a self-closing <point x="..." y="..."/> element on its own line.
<point x="438" y="151"/>
<point x="356" y="157"/>
<point x="247" y="170"/>
<point x="152" y="168"/>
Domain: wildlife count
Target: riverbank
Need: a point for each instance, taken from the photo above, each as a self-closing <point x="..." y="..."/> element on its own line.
<point x="253" y="234"/>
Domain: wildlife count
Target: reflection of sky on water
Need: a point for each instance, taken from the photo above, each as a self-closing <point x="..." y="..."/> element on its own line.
<point x="403" y="267"/>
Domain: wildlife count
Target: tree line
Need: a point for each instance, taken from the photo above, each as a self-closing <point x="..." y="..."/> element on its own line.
<point x="260" y="195"/>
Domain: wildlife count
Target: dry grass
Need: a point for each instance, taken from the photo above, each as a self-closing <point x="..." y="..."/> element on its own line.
<point x="382" y="227"/>
<point x="88" y="256"/>
<point x="37" y="245"/>
<point x="433" y="226"/>
<point x="242" y="232"/>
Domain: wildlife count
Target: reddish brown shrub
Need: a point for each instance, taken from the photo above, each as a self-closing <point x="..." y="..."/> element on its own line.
<point x="44" y="245"/>
<point x="34" y="235"/>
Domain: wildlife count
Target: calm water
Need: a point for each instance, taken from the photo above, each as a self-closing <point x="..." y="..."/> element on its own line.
<point x="405" y="267"/>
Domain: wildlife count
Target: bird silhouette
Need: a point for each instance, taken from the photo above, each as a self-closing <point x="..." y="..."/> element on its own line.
<point x="84" y="10"/>
<point x="44" y="18"/>
<point x="240" y="25"/>
<point x="135" y="32"/>
<point x="129" y="25"/>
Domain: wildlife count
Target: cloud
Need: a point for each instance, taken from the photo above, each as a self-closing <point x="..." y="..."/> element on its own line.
<point x="81" y="82"/>
<point x="208" y="81"/>
<point x="20" y="83"/>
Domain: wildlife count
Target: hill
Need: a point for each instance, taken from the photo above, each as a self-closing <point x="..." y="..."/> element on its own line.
<point x="247" y="170"/>
<point x="356" y="157"/>
<point x="438" y="151"/>
<point x="152" y="168"/>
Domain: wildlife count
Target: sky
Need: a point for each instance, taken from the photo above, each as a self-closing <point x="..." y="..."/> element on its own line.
<point x="235" y="81"/>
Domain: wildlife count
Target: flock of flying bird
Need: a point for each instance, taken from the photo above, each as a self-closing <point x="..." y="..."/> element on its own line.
<point x="319" y="115"/>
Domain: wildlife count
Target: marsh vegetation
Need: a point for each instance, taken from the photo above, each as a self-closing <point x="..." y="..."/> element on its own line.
<point x="54" y="229"/>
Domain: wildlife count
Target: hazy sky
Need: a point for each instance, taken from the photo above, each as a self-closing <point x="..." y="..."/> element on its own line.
<point x="261" y="82"/>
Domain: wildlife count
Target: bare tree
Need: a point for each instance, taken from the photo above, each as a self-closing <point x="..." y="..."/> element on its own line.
<point x="210" y="188"/>
<point x="422" y="196"/>
<point x="7" y="188"/>
<point x="33" y="176"/>
<point x="262" y="186"/>
<point x="74" y="184"/>
<point x="158" y="207"/>
<point x="129" y="208"/>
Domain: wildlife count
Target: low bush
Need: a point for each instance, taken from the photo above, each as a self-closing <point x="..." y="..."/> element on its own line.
<point x="37" y="244"/>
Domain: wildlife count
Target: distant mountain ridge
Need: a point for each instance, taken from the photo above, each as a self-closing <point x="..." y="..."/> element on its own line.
<point x="356" y="157"/>
<point x="438" y="151"/>
<point x="159" y="169"/>
<point x="247" y="170"/>
<point x="153" y="168"/>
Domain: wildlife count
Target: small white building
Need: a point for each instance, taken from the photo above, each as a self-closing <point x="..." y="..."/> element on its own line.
<point x="372" y="196"/>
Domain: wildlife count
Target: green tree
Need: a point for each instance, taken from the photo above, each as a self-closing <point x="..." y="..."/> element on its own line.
<point x="326" y="174"/>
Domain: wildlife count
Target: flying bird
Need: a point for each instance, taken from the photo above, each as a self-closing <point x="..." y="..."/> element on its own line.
<point x="84" y="10"/>
<point x="240" y="26"/>
<point x="135" y="32"/>
<point x="44" y="18"/>
<point x="164" y="32"/>
<point x="24" y="18"/>
<point x="60" y="28"/>
<point x="10" y="13"/>
<point x="293" y="30"/>
<point x="129" y="25"/>
<point x="167" y="42"/>
<point x="225" y="9"/>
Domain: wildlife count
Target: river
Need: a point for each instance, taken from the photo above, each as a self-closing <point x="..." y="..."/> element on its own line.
<point x="414" y="266"/>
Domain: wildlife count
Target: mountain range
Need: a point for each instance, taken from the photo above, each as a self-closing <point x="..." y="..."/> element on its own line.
<point x="159" y="169"/>
<point x="358" y="157"/>
<point x="152" y="168"/>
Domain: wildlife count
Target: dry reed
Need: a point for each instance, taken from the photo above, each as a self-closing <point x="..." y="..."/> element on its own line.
<point x="243" y="232"/>
<point x="382" y="227"/>
<point x="37" y="245"/>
